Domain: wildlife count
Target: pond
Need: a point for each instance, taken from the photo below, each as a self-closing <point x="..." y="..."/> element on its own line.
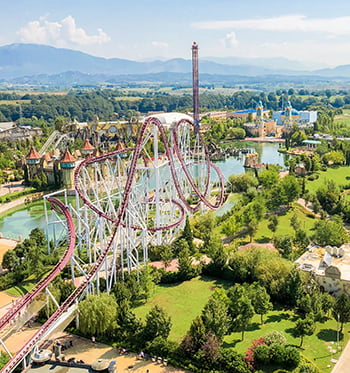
<point x="21" y="222"/>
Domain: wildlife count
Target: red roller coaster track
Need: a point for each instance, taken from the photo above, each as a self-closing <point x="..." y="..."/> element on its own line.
<point x="118" y="220"/>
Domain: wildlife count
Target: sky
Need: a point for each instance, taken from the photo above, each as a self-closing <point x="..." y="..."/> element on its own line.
<point x="314" y="32"/>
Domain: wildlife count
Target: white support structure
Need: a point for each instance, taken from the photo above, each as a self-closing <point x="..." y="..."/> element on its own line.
<point x="171" y="157"/>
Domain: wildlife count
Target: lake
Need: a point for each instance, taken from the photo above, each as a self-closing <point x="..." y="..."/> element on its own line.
<point x="22" y="221"/>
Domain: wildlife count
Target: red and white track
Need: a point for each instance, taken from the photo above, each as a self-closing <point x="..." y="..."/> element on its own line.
<point x="180" y="175"/>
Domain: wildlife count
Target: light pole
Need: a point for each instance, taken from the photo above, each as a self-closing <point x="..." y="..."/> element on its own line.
<point x="338" y="331"/>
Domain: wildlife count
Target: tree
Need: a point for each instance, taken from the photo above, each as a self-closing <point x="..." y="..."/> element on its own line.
<point x="215" y="316"/>
<point x="231" y="226"/>
<point x="158" y="324"/>
<point x="241" y="183"/>
<point x="291" y="188"/>
<point x="341" y="310"/>
<point x="304" y="327"/>
<point x="329" y="232"/>
<point x="194" y="338"/>
<point x="260" y="300"/>
<point x="246" y="312"/>
<point x="273" y="222"/>
<point x="284" y="244"/>
<point x="293" y="288"/>
<point x="10" y="260"/>
<point x="97" y="314"/>
<point x="166" y="256"/>
<point x="185" y="263"/>
<point x="187" y="234"/>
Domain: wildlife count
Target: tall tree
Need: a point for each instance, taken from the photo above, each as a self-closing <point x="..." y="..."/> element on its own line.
<point x="97" y="314"/>
<point x="260" y="300"/>
<point x="215" y="316"/>
<point x="187" y="234"/>
<point x="158" y="324"/>
<point x="304" y="327"/>
<point x="341" y="310"/>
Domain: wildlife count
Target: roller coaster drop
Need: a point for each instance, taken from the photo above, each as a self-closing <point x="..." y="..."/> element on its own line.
<point x="125" y="201"/>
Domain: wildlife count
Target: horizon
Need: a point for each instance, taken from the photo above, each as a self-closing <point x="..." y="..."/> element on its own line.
<point x="143" y="30"/>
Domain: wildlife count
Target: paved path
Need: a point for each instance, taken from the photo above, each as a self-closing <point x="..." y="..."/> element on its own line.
<point x="343" y="364"/>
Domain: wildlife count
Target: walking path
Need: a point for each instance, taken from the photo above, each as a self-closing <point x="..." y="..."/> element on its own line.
<point x="343" y="364"/>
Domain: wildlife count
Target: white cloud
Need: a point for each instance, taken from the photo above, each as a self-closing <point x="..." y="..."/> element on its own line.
<point x="230" y="40"/>
<point x="159" y="44"/>
<point x="287" y="23"/>
<point x="59" y="34"/>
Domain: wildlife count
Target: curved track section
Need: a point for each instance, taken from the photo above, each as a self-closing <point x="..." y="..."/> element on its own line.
<point x="170" y="153"/>
<point x="59" y="207"/>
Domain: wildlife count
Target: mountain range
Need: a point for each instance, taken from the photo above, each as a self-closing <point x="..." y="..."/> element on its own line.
<point x="30" y="62"/>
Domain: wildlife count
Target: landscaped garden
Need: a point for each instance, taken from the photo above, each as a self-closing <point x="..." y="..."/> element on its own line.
<point x="184" y="301"/>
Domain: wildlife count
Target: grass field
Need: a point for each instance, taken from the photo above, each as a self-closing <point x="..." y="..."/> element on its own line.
<point x="184" y="301"/>
<point x="338" y="174"/>
<point x="264" y="234"/>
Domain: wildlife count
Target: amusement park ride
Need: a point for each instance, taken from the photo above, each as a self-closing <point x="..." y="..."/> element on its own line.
<point x="125" y="201"/>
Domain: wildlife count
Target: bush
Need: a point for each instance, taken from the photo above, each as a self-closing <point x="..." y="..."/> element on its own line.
<point x="307" y="368"/>
<point x="262" y="354"/>
<point x="313" y="177"/>
<point x="161" y="347"/>
<point x="292" y="357"/>
<point x="277" y="353"/>
<point x="275" y="337"/>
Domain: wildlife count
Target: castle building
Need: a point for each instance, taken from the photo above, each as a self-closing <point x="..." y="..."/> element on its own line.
<point x="290" y="116"/>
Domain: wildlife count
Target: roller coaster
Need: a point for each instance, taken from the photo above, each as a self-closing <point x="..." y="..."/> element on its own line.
<point x="126" y="200"/>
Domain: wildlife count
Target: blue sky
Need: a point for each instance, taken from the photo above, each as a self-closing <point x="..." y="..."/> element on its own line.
<point x="315" y="32"/>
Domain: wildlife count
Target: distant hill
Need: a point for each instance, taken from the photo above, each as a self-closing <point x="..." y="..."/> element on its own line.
<point x="45" y="65"/>
<point x="18" y="60"/>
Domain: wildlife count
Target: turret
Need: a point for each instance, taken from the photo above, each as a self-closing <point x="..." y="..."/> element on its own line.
<point x="87" y="149"/>
<point x="33" y="162"/>
<point x="67" y="164"/>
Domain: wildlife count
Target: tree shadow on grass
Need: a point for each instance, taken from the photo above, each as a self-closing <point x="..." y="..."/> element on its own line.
<point x="263" y="239"/>
<point x="231" y="344"/>
<point x="290" y="331"/>
<point x="277" y="318"/>
<point x="253" y="326"/>
<point x="329" y="335"/>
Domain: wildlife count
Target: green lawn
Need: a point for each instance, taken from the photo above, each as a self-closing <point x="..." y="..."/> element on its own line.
<point x="337" y="174"/>
<point x="22" y="288"/>
<point x="264" y="234"/>
<point x="315" y="347"/>
<point x="183" y="302"/>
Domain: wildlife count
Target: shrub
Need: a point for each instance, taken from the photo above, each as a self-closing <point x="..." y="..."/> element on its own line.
<point x="292" y="357"/>
<point x="161" y="347"/>
<point x="313" y="177"/>
<point x="277" y="353"/>
<point x="275" y="337"/>
<point x="262" y="354"/>
<point x="307" y="368"/>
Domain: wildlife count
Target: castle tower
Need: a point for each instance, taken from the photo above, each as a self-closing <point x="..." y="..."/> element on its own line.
<point x="87" y="149"/>
<point x="67" y="169"/>
<point x="288" y="113"/>
<point x="259" y="112"/>
<point x="33" y="162"/>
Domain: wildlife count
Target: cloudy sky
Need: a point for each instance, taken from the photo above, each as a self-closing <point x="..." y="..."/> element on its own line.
<point x="303" y="30"/>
